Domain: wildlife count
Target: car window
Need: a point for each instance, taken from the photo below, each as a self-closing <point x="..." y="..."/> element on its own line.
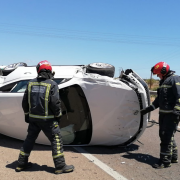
<point x="8" y="87"/>
<point x="21" y="85"/>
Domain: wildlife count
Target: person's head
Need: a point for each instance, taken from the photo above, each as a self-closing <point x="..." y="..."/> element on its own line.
<point x="160" y="69"/>
<point x="43" y="66"/>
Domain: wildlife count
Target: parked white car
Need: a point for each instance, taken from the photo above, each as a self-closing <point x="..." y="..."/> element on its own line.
<point x="98" y="109"/>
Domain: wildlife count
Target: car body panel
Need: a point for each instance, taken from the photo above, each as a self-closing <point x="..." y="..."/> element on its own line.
<point x="114" y="107"/>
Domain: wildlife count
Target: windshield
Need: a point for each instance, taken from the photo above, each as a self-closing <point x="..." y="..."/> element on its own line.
<point x="21" y="85"/>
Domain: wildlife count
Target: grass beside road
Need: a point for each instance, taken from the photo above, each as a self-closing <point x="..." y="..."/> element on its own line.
<point x="153" y="85"/>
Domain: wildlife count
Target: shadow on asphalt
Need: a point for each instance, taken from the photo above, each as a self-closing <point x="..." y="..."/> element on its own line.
<point x="9" y="142"/>
<point x="143" y="158"/>
<point x="35" y="167"/>
<point x="13" y="143"/>
<point x="110" y="149"/>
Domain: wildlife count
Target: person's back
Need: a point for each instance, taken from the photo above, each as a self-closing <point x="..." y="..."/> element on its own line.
<point x="41" y="105"/>
<point x="43" y="99"/>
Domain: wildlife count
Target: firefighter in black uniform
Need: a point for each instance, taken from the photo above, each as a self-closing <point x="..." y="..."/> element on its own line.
<point x="168" y="102"/>
<point x="42" y="108"/>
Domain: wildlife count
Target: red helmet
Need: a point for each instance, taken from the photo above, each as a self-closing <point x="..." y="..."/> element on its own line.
<point x="160" y="68"/>
<point x="43" y="65"/>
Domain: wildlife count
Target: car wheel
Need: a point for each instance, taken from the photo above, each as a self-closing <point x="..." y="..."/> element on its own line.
<point x="101" y="68"/>
<point x="8" y="69"/>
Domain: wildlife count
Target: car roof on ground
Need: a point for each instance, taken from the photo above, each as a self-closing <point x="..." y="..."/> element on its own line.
<point x="30" y="72"/>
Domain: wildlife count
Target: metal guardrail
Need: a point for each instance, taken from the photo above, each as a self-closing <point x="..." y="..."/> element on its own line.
<point x="153" y="92"/>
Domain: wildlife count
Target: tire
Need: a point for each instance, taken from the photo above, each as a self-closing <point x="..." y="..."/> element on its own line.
<point x="10" y="68"/>
<point x="103" y="69"/>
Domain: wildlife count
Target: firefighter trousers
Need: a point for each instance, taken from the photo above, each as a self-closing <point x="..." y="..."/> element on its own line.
<point x="52" y="131"/>
<point x="167" y="127"/>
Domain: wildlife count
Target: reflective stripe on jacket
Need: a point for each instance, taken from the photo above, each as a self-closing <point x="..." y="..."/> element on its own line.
<point x="168" y="95"/>
<point x="41" y="100"/>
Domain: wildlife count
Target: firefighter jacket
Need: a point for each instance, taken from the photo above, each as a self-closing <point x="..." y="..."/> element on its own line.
<point x="168" y="95"/>
<point x="41" y="100"/>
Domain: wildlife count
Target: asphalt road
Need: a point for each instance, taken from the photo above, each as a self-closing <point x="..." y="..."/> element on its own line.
<point x="132" y="162"/>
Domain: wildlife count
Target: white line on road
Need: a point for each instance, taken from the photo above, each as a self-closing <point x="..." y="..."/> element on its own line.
<point x="100" y="164"/>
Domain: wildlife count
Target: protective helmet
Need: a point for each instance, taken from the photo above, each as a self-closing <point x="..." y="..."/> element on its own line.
<point x="43" y="65"/>
<point x="160" y="68"/>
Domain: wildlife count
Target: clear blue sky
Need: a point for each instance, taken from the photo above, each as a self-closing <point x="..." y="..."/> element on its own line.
<point x="132" y="34"/>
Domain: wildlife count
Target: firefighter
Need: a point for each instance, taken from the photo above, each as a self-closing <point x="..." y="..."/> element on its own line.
<point x="168" y="102"/>
<point x="42" y="108"/>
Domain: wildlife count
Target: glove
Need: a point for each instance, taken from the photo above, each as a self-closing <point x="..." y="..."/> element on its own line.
<point x="27" y="118"/>
<point x="147" y="110"/>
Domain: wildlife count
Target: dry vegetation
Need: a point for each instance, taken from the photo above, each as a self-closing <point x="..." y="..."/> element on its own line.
<point x="153" y="85"/>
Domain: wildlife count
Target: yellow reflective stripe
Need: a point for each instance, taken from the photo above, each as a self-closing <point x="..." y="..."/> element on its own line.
<point x="46" y="95"/>
<point x="39" y="83"/>
<point x="26" y="113"/>
<point x="60" y="114"/>
<point x="178" y="83"/>
<point x="58" y="171"/>
<point x="29" y="92"/>
<point x="24" y="154"/>
<point x="48" y="87"/>
<point x="19" y="168"/>
<point x="41" y="117"/>
<point x="165" y="86"/>
<point x="46" y="98"/>
<point x="165" y="111"/>
<point x="58" y="147"/>
<point x="177" y="107"/>
<point x="55" y="156"/>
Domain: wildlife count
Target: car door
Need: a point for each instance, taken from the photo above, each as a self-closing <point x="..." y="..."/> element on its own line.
<point x="12" y="116"/>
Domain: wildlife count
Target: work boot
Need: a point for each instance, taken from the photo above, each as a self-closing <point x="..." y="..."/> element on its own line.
<point x="23" y="162"/>
<point x="20" y="168"/>
<point x="160" y="165"/>
<point x="65" y="169"/>
<point x="174" y="161"/>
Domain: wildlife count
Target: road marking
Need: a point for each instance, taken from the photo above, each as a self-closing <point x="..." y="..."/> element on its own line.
<point x="100" y="164"/>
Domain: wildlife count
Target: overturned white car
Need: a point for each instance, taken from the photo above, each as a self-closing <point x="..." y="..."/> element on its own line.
<point x="98" y="109"/>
